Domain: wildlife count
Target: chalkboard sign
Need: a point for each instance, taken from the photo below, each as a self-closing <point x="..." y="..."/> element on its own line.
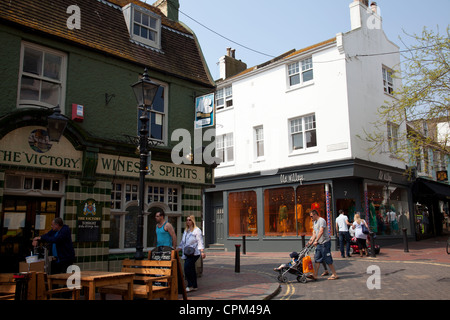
<point x="158" y="254"/>
<point x="89" y="221"/>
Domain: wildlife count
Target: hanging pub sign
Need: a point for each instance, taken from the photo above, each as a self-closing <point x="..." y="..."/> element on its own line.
<point x="89" y="221"/>
<point x="204" y="111"/>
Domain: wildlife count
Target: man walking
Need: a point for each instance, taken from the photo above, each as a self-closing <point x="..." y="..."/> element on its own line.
<point x="165" y="234"/>
<point x="342" y="226"/>
<point x="321" y="239"/>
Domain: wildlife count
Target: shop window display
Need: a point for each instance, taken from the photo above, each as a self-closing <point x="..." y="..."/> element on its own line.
<point x="287" y="210"/>
<point x="242" y="214"/>
<point x="310" y="197"/>
<point x="388" y="209"/>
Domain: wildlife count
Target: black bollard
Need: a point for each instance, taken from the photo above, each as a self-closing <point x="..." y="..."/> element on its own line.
<point x="303" y="241"/>
<point x="237" y="264"/>
<point x="244" y="251"/>
<point x="372" y="245"/>
<point x="405" y="239"/>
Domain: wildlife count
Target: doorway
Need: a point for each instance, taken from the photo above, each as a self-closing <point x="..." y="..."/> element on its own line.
<point x="348" y="205"/>
<point x="22" y="219"/>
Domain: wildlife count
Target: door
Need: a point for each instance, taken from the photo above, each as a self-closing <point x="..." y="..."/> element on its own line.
<point x="22" y="219"/>
<point x="218" y="218"/>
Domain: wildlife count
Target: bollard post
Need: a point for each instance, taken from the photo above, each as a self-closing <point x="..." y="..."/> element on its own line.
<point x="244" y="251"/>
<point x="237" y="264"/>
<point x="405" y="239"/>
<point x="372" y="245"/>
<point x="303" y="241"/>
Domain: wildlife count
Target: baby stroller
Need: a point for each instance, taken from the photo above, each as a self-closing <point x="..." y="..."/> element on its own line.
<point x="295" y="267"/>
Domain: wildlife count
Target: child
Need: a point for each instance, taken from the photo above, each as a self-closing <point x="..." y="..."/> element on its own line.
<point x="294" y="259"/>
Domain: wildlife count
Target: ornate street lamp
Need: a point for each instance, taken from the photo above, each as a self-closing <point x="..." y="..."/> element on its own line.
<point x="145" y="91"/>
<point x="56" y="124"/>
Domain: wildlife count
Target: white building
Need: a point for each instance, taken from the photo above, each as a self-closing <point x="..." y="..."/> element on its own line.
<point x="290" y="134"/>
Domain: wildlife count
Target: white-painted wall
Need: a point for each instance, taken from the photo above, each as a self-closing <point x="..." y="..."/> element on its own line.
<point x="344" y="95"/>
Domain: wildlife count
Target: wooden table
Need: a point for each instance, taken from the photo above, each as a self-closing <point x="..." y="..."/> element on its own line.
<point x="93" y="279"/>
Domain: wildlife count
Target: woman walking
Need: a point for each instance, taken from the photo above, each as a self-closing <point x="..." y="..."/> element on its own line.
<point x="192" y="246"/>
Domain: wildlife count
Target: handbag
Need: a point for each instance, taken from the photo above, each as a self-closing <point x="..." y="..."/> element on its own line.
<point x="189" y="251"/>
<point x="307" y="265"/>
<point x="364" y="230"/>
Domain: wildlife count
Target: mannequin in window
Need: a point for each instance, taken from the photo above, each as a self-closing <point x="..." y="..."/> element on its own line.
<point x="300" y="220"/>
<point x="283" y="216"/>
<point x="251" y="221"/>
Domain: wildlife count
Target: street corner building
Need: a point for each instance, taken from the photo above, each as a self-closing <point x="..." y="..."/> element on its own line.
<point x="290" y="135"/>
<point x="76" y="63"/>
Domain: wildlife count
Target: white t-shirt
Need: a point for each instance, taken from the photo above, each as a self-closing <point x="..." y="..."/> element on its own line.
<point x="342" y="222"/>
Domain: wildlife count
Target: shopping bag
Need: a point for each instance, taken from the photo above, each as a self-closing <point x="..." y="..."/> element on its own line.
<point x="307" y="265"/>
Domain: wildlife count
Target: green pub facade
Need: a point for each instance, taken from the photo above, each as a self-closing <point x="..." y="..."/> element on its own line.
<point x="84" y="58"/>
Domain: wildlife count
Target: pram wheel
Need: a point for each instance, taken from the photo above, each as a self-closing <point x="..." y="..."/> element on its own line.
<point x="282" y="278"/>
<point x="302" y="278"/>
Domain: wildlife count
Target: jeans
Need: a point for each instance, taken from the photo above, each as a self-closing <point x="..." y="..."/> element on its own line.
<point x="344" y="236"/>
<point x="189" y="271"/>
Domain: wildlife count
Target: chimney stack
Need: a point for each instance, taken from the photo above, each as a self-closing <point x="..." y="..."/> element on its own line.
<point x="361" y="15"/>
<point x="229" y="66"/>
<point x="374" y="7"/>
<point x="169" y="8"/>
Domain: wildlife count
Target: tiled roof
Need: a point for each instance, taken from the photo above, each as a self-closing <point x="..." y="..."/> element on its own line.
<point x="290" y="55"/>
<point x="103" y="29"/>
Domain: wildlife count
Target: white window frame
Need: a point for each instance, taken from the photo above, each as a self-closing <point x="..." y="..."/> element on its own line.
<point x="129" y="12"/>
<point x="225" y="147"/>
<point x="388" y="82"/>
<point x="258" y="138"/>
<point x="302" y="126"/>
<point x="392" y="135"/>
<point x="224" y="98"/>
<point x="299" y="71"/>
<point x="61" y="82"/>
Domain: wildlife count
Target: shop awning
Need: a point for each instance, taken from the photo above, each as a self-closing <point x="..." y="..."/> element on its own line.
<point x="432" y="188"/>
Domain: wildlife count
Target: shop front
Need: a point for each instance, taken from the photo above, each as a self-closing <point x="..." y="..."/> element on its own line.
<point x="273" y="212"/>
<point x="431" y="208"/>
<point x="94" y="191"/>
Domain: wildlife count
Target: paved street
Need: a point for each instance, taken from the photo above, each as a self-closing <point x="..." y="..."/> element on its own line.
<point x="422" y="273"/>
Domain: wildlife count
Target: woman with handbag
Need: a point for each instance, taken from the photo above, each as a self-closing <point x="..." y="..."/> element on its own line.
<point x="361" y="231"/>
<point x="192" y="246"/>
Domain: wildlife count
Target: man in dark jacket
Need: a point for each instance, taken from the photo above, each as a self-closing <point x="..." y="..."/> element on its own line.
<point x="62" y="247"/>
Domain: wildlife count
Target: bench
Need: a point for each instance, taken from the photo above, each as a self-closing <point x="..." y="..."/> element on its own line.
<point x="152" y="279"/>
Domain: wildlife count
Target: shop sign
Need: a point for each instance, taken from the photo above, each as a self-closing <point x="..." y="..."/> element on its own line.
<point x="129" y="167"/>
<point x="385" y="176"/>
<point x="291" y="178"/>
<point x="31" y="147"/>
<point x="89" y="221"/>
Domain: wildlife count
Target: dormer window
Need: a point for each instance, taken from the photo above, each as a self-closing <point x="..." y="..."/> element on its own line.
<point x="144" y="25"/>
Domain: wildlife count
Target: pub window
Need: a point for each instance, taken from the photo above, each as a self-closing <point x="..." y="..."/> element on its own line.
<point x="124" y="199"/>
<point x="41" y="77"/>
<point x="143" y="25"/>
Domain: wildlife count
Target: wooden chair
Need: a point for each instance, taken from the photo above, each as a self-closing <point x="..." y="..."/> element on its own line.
<point x="43" y="292"/>
<point x="7" y="286"/>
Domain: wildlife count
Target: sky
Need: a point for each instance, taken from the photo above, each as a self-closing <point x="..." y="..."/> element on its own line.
<point x="262" y="29"/>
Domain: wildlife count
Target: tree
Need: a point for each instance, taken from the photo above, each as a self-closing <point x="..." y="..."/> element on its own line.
<point x="423" y="102"/>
